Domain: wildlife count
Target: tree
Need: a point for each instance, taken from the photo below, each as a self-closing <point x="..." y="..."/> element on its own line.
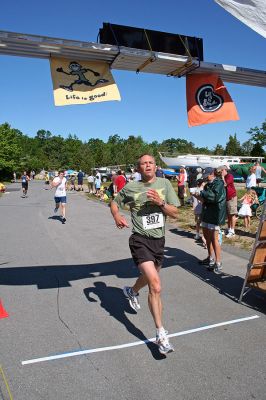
<point x="258" y="135"/>
<point x="10" y="149"/>
<point x="247" y="148"/>
<point x="233" y="147"/>
<point x="257" y="150"/>
<point x="219" y="150"/>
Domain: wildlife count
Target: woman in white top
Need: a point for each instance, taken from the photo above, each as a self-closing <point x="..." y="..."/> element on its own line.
<point x="251" y="179"/>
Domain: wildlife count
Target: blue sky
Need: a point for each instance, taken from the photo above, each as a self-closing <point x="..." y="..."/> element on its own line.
<point x="152" y="106"/>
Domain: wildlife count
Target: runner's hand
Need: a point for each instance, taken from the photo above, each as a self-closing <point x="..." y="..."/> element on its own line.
<point x="154" y="197"/>
<point x="121" y="221"/>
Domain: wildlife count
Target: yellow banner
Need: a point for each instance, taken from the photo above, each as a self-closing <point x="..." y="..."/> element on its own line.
<point x="82" y="82"/>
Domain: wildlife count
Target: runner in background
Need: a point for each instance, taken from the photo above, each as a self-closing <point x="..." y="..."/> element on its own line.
<point x="25" y="184"/>
<point x="59" y="183"/>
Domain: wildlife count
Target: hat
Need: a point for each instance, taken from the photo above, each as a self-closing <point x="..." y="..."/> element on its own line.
<point x="208" y="171"/>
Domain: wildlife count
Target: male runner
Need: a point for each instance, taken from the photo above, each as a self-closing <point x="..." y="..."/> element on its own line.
<point x="59" y="183"/>
<point x="150" y="201"/>
<point x="25" y="183"/>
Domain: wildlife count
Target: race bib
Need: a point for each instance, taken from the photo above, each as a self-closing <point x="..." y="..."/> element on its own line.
<point x="152" y="221"/>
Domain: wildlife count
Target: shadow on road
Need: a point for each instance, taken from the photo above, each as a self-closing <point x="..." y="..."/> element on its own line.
<point x="114" y="303"/>
<point x="54" y="276"/>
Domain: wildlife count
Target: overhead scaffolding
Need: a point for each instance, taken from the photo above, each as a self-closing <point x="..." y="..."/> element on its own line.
<point x="124" y="58"/>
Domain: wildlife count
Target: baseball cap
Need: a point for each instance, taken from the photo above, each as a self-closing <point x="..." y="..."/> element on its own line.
<point x="208" y="171"/>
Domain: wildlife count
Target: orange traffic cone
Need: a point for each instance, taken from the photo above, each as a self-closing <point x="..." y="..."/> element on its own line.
<point x="3" y="313"/>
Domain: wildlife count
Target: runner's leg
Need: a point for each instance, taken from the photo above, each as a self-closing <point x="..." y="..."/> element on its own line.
<point x="151" y="275"/>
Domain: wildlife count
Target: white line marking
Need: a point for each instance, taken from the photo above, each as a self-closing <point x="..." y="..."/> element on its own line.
<point x="123" y="346"/>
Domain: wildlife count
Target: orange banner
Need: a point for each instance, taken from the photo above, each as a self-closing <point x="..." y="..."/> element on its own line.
<point x="208" y="100"/>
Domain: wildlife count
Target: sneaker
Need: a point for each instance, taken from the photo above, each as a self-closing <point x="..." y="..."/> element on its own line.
<point x="197" y="237"/>
<point x="218" y="268"/>
<point x="230" y="234"/>
<point x="206" y="261"/>
<point x="55" y="210"/>
<point x="63" y="220"/>
<point x="163" y="343"/>
<point x="211" y="265"/>
<point x="133" y="299"/>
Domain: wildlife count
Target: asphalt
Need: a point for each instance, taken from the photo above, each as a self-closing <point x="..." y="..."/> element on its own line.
<point x="62" y="288"/>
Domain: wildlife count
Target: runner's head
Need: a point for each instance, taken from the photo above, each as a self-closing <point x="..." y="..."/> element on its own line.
<point x="147" y="167"/>
<point x="61" y="174"/>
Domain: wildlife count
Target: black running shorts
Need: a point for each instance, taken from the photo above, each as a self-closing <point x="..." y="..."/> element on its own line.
<point x="146" y="249"/>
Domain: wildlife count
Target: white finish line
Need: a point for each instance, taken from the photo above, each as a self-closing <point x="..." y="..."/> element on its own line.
<point x="123" y="346"/>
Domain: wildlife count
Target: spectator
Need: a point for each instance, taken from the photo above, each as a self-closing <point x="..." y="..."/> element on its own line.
<point x="249" y="198"/>
<point x="181" y="186"/>
<point x="120" y="181"/>
<point x="2" y="188"/>
<point x="213" y="215"/>
<point x="72" y="182"/>
<point x="97" y="185"/>
<point x="258" y="171"/>
<point x="251" y="179"/>
<point x="231" y="200"/>
<point x="159" y="172"/>
<point x="91" y="180"/>
<point x="192" y="182"/>
<point x="197" y="208"/>
<point x="136" y="175"/>
<point x="47" y="181"/>
<point x="98" y="175"/>
<point x="80" y="180"/>
<point x="14" y="176"/>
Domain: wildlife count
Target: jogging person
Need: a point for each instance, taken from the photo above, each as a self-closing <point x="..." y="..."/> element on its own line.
<point x="150" y="201"/>
<point x="59" y="183"/>
<point x="25" y="183"/>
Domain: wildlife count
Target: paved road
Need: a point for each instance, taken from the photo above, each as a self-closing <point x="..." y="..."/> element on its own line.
<point x="61" y="285"/>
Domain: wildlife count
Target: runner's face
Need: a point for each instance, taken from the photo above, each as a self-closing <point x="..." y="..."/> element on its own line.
<point x="147" y="167"/>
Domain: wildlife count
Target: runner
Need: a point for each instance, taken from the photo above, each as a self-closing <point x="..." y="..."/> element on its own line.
<point x="59" y="183"/>
<point x="25" y="184"/>
<point x="150" y="201"/>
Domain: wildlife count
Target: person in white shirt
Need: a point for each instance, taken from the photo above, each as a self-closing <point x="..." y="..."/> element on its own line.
<point x="251" y="179"/>
<point x="91" y="180"/>
<point x="136" y="176"/>
<point x="59" y="183"/>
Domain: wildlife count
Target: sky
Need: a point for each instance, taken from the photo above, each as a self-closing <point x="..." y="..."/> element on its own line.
<point x="152" y="106"/>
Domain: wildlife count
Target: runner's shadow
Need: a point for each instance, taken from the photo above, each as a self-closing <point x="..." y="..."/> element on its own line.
<point x="114" y="302"/>
<point x="56" y="217"/>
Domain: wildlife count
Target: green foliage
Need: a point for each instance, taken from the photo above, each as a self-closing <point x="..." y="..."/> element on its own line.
<point x="258" y="135"/>
<point x="47" y="151"/>
<point x="233" y="147"/>
<point x="10" y="149"/>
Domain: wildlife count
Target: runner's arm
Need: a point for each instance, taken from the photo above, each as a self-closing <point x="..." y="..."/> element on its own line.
<point x="168" y="209"/>
<point x="120" y="220"/>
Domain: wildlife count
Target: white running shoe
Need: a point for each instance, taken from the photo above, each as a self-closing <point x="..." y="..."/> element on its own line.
<point x="230" y="234"/>
<point x="163" y="343"/>
<point x="133" y="299"/>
